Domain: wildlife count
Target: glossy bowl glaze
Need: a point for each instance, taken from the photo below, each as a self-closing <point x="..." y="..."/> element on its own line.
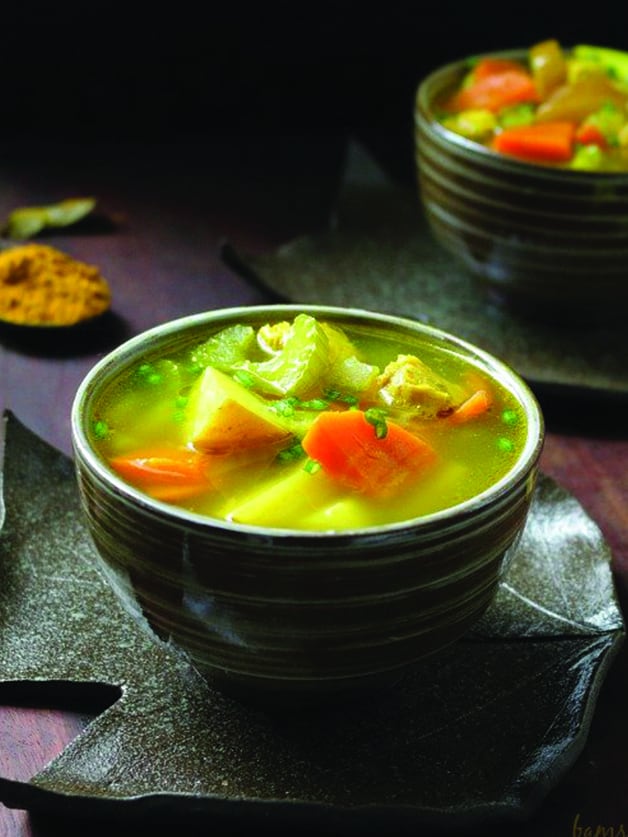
<point x="549" y="241"/>
<point x="278" y="613"/>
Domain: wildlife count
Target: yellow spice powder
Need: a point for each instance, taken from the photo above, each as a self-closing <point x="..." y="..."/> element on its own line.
<point x="40" y="285"/>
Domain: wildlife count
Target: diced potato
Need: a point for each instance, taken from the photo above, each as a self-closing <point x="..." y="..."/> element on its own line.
<point x="574" y="102"/>
<point x="347" y="513"/>
<point x="474" y="123"/>
<point x="548" y="65"/>
<point x="222" y="416"/>
<point x="288" y="497"/>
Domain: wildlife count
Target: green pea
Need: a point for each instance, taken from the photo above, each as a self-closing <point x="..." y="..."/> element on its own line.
<point x="100" y="429"/>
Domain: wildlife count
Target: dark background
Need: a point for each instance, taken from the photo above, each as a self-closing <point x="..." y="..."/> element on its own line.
<point x="113" y="71"/>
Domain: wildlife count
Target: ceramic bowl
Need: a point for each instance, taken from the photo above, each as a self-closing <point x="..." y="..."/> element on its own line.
<point x="548" y="241"/>
<point x="277" y="613"/>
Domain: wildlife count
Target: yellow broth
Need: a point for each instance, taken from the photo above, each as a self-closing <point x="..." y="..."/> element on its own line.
<point x="154" y="408"/>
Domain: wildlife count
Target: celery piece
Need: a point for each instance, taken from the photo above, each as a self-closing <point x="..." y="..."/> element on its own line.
<point x="302" y="363"/>
<point x="475" y="124"/>
<point x="225" y="349"/>
<point x="347" y="372"/>
<point x="352" y="375"/>
<point x="578" y="69"/>
<point x="614" y="61"/>
<point x="587" y="158"/>
<point x="522" y="114"/>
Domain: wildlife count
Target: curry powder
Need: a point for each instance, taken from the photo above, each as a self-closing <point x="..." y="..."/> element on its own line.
<point x="40" y="285"/>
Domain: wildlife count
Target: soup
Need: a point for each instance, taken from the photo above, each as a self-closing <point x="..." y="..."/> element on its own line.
<point x="307" y="424"/>
<point x="558" y="107"/>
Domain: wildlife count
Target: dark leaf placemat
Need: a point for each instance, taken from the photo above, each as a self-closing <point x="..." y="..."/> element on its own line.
<point x="445" y="745"/>
<point x="379" y="254"/>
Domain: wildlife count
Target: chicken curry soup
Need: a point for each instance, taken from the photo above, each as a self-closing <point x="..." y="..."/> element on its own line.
<point x="558" y="107"/>
<point x="307" y="425"/>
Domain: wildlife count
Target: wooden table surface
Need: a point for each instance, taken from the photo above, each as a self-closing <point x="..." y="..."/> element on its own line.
<point x="165" y="213"/>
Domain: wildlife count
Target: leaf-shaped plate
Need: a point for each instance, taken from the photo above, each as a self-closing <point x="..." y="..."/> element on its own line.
<point x="445" y="745"/>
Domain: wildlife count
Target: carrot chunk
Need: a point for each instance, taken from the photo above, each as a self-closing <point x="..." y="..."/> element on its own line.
<point x="589" y="134"/>
<point x="474" y="406"/>
<point x="491" y="66"/>
<point x="168" y="474"/>
<point x="550" y="142"/>
<point x="350" y="452"/>
<point x="495" y="90"/>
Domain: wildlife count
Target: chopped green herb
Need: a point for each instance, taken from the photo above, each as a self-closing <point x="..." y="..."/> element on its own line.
<point x="344" y="398"/>
<point x="315" y="404"/>
<point x="244" y="378"/>
<point x="312" y="466"/>
<point x="377" y="418"/>
<point x="291" y="453"/>
<point x="285" y="406"/>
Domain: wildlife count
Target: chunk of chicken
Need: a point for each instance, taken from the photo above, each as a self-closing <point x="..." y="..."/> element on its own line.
<point x="272" y="336"/>
<point x="409" y="384"/>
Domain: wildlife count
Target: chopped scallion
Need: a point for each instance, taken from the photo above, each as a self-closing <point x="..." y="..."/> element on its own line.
<point x="377" y="418"/>
<point x="312" y="466"/>
<point x="315" y="404"/>
<point x="243" y="377"/>
<point x="291" y="453"/>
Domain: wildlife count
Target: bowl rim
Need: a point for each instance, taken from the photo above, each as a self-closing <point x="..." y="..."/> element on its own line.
<point x="424" y="115"/>
<point x="110" y="364"/>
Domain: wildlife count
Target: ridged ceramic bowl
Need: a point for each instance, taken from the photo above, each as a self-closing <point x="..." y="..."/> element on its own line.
<point x="279" y="613"/>
<point x="549" y="241"/>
